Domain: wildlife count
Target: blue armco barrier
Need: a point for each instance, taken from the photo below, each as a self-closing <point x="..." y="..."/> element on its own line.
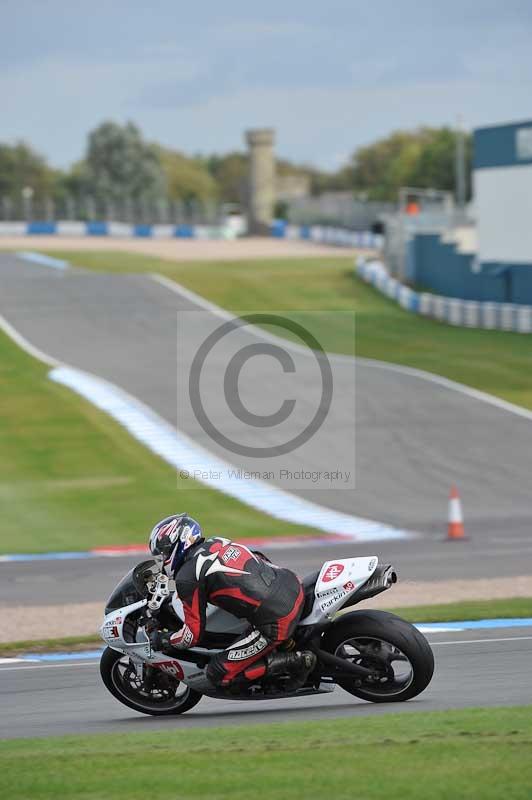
<point x="41" y="227"/>
<point x="278" y="228"/>
<point x="184" y="231"/>
<point x="326" y="234"/>
<point x="97" y="228"/>
<point x="142" y="230"/>
<point x="452" y="310"/>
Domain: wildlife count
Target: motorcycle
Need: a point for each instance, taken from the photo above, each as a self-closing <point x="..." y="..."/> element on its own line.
<point x="373" y="655"/>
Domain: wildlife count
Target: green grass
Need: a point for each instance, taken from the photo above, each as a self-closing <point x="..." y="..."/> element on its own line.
<point x="494" y="361"/>
<point x="472" y="609"/>
<point x="468" y="609"/>
<point x="69" y="644"/>
<point x="479" y="753"/>
<point x="71" y="478"/>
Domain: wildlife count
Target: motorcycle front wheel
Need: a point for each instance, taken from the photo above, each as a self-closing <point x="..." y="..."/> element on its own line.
<point x="400" y="655"/>
<point x="150" y="692"/>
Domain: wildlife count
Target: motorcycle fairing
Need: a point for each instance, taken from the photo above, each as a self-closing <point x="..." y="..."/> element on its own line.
<point x="337" y="581"/>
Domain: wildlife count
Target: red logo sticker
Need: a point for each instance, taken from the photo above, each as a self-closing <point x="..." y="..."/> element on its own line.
<point x="349" y="586"/>
<point x="332" y="572"/>
<point x="172" y="668"/>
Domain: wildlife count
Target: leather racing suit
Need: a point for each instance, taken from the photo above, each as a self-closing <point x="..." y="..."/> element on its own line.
<point x="229" y="575"/>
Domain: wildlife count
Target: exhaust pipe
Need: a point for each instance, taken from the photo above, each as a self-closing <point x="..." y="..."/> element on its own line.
<point x="383" y="578"/>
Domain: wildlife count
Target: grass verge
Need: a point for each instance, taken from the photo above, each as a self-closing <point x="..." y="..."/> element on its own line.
<point x="471" y="610"/>
<point x="460" y="754"/>
<point x="468" y="609"/>
<point x="496" y="362"/>
<point x="70" y="644"/>
<point x="71" y="478"/>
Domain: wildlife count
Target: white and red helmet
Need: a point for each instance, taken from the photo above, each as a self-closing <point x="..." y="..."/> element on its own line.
<point x="172" y="537"/>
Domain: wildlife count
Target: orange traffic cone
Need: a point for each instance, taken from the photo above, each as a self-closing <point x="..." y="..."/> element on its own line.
<point x="455" y="528"/>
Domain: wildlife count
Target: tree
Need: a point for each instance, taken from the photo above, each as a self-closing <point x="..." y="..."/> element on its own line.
<point x="186" y="178"/>
<point x="435" y="167"/>
<point x="422" y="158"/>
<point x="22" y="167"/>
<point x="120" y="165"/>
<point x="231" y="174"/>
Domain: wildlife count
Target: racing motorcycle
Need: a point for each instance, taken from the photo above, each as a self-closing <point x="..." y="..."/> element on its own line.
<point x="373" y="655"/>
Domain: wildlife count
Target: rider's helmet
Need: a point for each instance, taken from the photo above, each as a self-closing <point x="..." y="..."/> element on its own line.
<point x="172" y="537"/>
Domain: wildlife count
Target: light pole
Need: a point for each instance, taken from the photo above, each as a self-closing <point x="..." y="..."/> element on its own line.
<point x="27" y="195"/>
<point x="460" y="167"/>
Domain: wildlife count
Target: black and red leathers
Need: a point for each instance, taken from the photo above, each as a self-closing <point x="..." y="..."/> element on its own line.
<point x="229" y="575"/>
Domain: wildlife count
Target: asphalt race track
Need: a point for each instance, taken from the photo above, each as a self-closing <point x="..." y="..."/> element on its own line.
<point x="475" y="668"/>
<point x="435" y="559"/>
<point x="414" y="438"/>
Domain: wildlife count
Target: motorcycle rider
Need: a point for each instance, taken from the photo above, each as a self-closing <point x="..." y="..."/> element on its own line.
<point x="229" y="575"/>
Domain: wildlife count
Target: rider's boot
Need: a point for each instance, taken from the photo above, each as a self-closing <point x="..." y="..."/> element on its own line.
<point x="298" y="664"/>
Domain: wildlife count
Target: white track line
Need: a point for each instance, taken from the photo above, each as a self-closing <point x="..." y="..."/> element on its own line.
<point x="482" y="641"/>
<point x="51" y="666"/>
<point x="94" y="661"/>
<point x="25" y="345"/>
<point x="40" y="258"/>
<point x="445" y="383"/>
<point x="182" y="453"/>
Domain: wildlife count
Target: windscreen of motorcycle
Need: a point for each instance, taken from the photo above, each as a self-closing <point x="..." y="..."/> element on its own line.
<point x="131" y="588"/>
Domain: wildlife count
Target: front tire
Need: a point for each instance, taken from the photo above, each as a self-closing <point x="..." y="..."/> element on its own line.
<point x="164" y="697"/>
<point x="380" y="640"/>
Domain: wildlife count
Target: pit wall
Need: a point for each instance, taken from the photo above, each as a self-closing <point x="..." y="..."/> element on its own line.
<point x="452" y="310"/>
<point x="440" y="266"/>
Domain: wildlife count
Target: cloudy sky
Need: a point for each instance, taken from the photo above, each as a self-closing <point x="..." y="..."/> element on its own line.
<point x="328" y="75"/>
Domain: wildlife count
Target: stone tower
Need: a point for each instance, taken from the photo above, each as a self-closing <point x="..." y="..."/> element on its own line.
<point x="261" y="184"/>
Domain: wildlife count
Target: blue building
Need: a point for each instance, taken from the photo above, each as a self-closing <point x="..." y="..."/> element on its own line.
<point x="493" y="260"/>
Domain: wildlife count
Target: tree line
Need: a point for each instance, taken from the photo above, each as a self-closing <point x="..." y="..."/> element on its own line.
<point x="120" y="163"/>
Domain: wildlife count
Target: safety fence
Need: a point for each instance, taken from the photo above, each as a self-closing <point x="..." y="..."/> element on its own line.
<point x="232" y="228"/>
<point x="117" y="229"/>
<point x="452" y="310"/>
<point x="327" y="234"/>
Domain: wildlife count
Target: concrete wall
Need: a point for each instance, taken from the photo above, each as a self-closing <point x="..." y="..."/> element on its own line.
<point x="441" y="268"/>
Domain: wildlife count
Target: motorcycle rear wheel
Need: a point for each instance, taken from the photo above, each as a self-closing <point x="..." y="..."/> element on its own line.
<point x="380" y="640"/>
<point x="168" y="696"/>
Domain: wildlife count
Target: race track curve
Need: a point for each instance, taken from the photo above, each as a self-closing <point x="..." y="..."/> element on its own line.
<point x="414" y="437"/>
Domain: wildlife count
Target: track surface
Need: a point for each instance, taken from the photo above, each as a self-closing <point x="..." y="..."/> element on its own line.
<point x="58" y="582"/>
<point x="477" y="668"/>
<point x="414" y="437"/>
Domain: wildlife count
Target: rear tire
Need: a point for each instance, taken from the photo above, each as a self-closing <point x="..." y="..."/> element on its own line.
<point x="399" y="639"/>
<point x="123" y="690"/>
